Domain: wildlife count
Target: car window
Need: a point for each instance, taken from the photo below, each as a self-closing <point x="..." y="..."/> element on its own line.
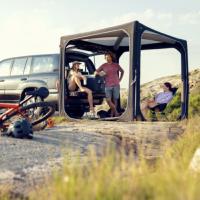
<point x="18" y="66"/>
<point x="28" y="66"/>
<point x="5" y="67"/>
<point x="44" y="63"/>
<point x="98" y="60"/>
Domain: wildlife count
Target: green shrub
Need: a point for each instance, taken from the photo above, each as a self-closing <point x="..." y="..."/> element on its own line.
<point x="123" y="101"/>
<point x="173" y="109"/>
<point x="194" y="104"/>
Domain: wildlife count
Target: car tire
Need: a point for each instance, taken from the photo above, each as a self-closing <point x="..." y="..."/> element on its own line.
<point x="75" y="113"/>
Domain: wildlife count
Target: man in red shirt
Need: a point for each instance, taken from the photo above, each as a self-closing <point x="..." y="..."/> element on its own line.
<point x="112" y="80"/>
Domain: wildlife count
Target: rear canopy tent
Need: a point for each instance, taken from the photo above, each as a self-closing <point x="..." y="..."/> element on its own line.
<point x="132" y="37"/>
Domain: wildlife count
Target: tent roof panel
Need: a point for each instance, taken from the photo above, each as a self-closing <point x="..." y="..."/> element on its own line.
<point x="119" y="36"/>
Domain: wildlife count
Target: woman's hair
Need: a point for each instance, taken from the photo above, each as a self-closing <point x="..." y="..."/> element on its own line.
<point x="171" y="89"/>
<point x="74" y="67"/>
<point x="168" y="85"/>
<point x="111" y="54"/>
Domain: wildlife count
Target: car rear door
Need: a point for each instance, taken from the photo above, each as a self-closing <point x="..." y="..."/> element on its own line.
<point x="45" y="68"/>
<point x="5" y="66"/>
<point x="17" y="76"/>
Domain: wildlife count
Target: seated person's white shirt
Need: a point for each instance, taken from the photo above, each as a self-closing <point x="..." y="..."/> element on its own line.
<point x="163" y="97"/>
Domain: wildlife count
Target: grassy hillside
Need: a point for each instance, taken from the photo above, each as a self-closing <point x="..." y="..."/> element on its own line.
<point x="174" y="108"/>
<point x="119" y="176"/>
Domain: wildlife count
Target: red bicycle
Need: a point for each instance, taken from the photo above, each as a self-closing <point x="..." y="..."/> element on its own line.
<point x="35" y="113"/>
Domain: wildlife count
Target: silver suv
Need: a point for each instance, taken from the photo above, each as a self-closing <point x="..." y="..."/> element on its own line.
<point x="21" y="74"/>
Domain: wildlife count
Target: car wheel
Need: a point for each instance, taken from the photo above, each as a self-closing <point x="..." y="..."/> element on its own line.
<point x="75" y="113"/>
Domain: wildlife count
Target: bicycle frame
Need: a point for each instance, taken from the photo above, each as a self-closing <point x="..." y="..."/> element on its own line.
<point x="12" y="107"/>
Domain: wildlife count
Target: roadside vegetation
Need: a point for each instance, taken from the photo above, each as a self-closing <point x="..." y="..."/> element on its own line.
<point x="117" y="176"/>
<point x="173" y="109"/>
<point x="120" y="176"/>
<point x="4" y="193"/>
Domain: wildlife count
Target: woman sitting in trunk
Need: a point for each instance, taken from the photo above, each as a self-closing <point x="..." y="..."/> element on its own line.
<point x="74" y="83"/>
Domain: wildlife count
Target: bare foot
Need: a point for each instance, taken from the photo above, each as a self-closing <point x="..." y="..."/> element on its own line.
<point x="117" y="114"/>
<point x="112" y="114"/>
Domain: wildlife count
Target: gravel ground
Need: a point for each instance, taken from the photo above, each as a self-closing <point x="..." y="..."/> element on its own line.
<point x="25" y="163"/>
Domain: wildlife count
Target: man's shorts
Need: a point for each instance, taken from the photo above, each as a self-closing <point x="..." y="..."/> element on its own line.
<point x="112" y="92"/>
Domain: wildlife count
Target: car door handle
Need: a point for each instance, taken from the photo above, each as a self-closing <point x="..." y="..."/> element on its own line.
<point x="2" y="80"/>
<point x="23" y="79"/>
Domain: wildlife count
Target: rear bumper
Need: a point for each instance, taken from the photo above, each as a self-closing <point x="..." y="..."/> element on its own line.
<point x="75" y="100"/>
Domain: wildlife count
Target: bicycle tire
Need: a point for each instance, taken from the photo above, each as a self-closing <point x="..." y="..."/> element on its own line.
<point x="42" y="105"/>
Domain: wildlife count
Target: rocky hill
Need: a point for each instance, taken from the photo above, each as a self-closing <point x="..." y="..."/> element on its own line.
<point x="153" y="87"/>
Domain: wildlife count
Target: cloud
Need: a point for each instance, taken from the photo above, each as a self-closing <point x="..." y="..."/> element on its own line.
<point x="192" y="18"/>
<point x="34" y="32"/>
<point x="182" y="25"/>
<point x="163" y="21"/>
<point x="149" y="17"/>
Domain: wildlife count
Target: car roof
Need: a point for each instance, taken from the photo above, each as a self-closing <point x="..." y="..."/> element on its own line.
<point x="29" y="56"/>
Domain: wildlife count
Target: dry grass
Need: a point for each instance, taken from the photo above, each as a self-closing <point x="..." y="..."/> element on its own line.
<point x="118" y="176"/>
<point x="4" y="192"/>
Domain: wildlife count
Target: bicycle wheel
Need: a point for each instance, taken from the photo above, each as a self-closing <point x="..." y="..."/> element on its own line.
<point x="35" y="112"/>
<point x="38" y="112"/>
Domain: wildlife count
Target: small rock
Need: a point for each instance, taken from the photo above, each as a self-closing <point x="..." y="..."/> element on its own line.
<point x="195" y="162"/>
<point x="6" y="174"/>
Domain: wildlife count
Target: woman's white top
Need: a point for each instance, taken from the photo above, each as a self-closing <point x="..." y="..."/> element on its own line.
<point x="163" y="97"/>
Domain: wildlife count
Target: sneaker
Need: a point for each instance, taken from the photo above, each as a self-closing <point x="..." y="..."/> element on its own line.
<point x="91" y="114"/>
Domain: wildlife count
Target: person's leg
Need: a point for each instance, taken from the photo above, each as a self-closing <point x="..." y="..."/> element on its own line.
<point x="116" y="114"/>
<point x="152" y="104"/>
<point x="144" y="108"/>
<point x="74" y="82"/>
<point x="108" y="92"/>
<point x="90" y="98"/>
<point x="78" y="82"/>
<point x="116" y="91"/>
<point x="146" y="105"/>
<point x="112" y="106"/>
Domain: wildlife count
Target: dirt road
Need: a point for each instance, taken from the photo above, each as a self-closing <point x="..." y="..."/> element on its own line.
<point x="24" y="162"/>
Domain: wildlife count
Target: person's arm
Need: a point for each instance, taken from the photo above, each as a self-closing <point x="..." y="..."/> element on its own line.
<point x="156" y="95"/>
<point x="81" y="76"/>
<point x="98" y="70"/>
<point x="121" y="73"/>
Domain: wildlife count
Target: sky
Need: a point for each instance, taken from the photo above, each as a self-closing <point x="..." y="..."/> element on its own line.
<point x="35" y="27"/>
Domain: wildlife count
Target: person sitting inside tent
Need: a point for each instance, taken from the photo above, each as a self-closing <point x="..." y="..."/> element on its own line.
<point x="160" y="100"/>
